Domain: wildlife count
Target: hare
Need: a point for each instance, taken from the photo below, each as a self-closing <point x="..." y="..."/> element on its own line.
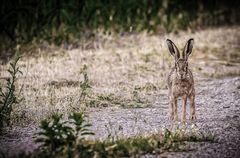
<point x="180" y="81"/>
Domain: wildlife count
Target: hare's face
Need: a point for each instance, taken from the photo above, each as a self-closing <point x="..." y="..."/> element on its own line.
<point x="181" y="64"/>
<point x="181" y="68"/>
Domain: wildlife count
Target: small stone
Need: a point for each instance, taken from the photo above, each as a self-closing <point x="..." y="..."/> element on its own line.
<point x="226" y="107"/>
<point x="235" y="116"/>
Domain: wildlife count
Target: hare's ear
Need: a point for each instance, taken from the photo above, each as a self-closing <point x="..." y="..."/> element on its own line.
<point x="173" y="49"/>
<point x="188" y="49"/>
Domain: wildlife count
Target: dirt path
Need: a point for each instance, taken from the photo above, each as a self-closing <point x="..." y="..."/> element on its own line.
<point x="218" y="111"/>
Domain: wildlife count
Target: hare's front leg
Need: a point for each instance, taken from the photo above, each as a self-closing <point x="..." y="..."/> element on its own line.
<point x="175" y="109"/>
<point x="171" y="110"/>
<point x="184" y="98"/>
<point x="192" y="107"/>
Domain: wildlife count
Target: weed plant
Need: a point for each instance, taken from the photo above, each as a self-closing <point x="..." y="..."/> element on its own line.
<point x="8" y="96"/>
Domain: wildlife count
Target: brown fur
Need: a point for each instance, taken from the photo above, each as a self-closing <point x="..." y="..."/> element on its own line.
<point x="180" y="81"/>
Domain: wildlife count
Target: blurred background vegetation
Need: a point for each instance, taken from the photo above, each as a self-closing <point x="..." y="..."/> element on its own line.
<point x="58" y="21"/>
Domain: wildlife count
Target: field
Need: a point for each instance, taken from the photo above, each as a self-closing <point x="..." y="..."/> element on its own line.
<point x="120" y="81"/>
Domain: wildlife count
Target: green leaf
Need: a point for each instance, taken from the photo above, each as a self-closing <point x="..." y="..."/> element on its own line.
<point x="87" y="133"/>
<point x="20" y="72"/>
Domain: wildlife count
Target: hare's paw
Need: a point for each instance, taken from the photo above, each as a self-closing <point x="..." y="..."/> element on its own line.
<point x="176" y="118"/>
<point x="193" y="117"/>
<point x="184" y="120"/>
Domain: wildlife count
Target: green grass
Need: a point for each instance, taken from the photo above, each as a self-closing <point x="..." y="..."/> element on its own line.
<point x="70" y="138"/>
<point x="60" y="22"/>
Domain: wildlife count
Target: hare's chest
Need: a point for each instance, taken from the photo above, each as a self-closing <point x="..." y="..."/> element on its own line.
<point x="181" y="88"/>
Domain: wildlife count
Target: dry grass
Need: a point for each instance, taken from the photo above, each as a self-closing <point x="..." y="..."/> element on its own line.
<point x="118" y="66"/>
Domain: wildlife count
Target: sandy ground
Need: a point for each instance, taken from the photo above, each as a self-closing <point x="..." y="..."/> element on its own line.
<point x="218" y="112"/>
